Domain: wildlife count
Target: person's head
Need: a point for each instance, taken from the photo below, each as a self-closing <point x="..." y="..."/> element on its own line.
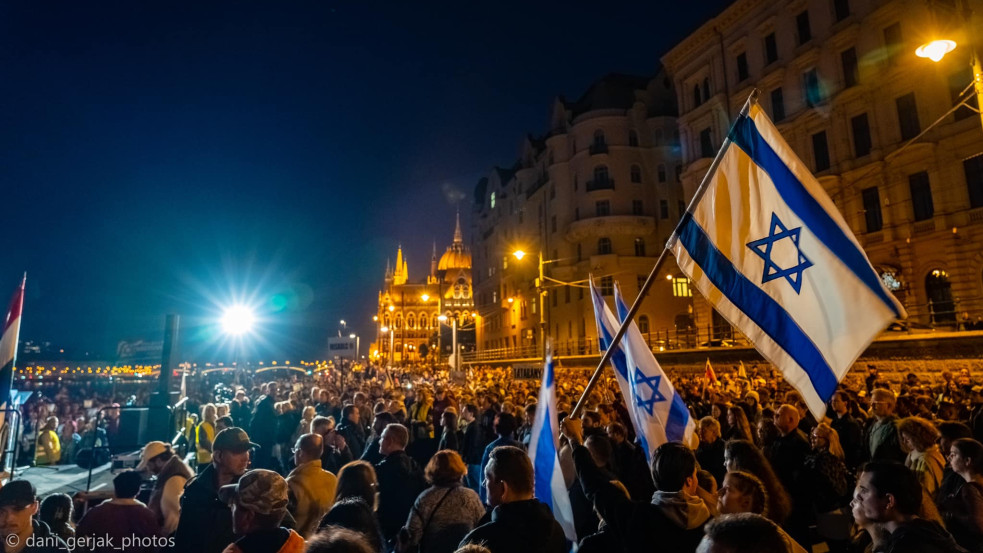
<point x="154" y="456"/>
<point x="787" y="419"/>
<point x="322" y="425"/>
<point x="951" y="431"/>
<point x="592" y="419"/>
<point x="709" y="430"/>
<point x="271" y="389"/>
<point x="357" y="479"/>
<point x="743" y="455"/>
<point x="394" y="438"/>
<point x="529" y="413"/>
<point x="209" y="413"/>
<point x="224" y="422"/>
<point x="308" y="413"/>
<point x="350" y="414"/>
<point x="309" y="447"/>
<point x="674" y="468"/>
<point x="887" y="492"/>
<point x="617" y="432"/>
<point x="504" y="424"/>
<point x="839" y="403"/>
<point x="336" y="539"/>
<point x="359" y="399"/>
<point x="230" y="451"/>
<point x="323" y="396"/>
<point x="766" y="432"/>
<point x="470" y="412"/>
<point x="381" y="420"/>
<point x="445" y="468"/>
<point x="472" y="548"/>
<point x="258" y="499"/>
<point x="917" y="434"/>
<point x="966" y="457"/>
<point x="824" y="438"/>
<point x="448" y="419"/>
<point x="742" y="533"/>
<point x="18" y="503"/>
<point x="56" y="510"/>
<point x="600" y="449"/>
<point x="508" y="476"/>
<point x="126" y="485"/>
<point x="882" y="402"/>
<point x="353" y="513"/>
<point x="51" y="423"/>
<point x="742" y="492"/>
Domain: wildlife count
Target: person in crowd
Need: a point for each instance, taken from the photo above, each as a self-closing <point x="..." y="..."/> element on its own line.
<point x="20" y="532"/>
<point x="890" y="495"/>
<point x="240" y="409"/>
<point x="742" y="492"/>
<point x="336" y="452"/>
<point x="353" y="513"/>
<point x="336" y="539"/>
<point x="441" y="401"/>
<point x="358" y="479"/>
<point x="104" y="527"/>
<point x="881" y="438"/>
<point x="737" y="422"/>
<point x="371" y="452"/>
<point x="222" y="423"/>
<point x="69" y="437"/>
<point x="962" y="509"/>
<point x="263" y="427"/>
<point x="450" y="436"/>
<point x="585" y="517"/>
<point x="48" y="450"/>
<point x="172" y="474"/>
<point x="628" y="463"/>
<point x="519" y="523"/>
<point x="419" y="414"/>
<point x="741" y="455"/>
<point x="525" y="431"/>
<point x="919" y="437"/>
<point x="504" y="429"/>
<point x="949" y="432"/>
<point x="56" y="511"/>
<point x="259" y="504"/>
<point x="743" y="533"/>
<point x="400" y="480"/>
<point x="312" y="489"/>
<point x="710" y="452"/>
<point x="826" y="481"/>
<point x="446" y="511"/>
<point x="352" y="430"/>
<point x="766" y="433"/>
<point x="204" y="434"/>
<point x="205" y="524"/>
<point x="304" y="426"/>
<point x="473" y="447"/>
<point x="847" y="428"/>
<point x="675" y="516"/>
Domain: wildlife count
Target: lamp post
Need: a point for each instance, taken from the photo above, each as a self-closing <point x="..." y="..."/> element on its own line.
<point x="935" y="50"/>
<point x="443" y="319"/>
<point x="541" y="293"/>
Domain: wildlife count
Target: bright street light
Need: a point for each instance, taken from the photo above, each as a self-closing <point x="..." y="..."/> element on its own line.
<point x="519" y="254"/>
<point x="384" y="329"/>
<point x="442" y="318"/>
<point x="935" y="50"/>
<point x="425" y="297"/>
<point x="352" y="336"/>
<point x="238" y="319"/>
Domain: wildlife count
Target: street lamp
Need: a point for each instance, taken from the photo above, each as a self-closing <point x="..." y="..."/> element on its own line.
<point x="540" y="292"/>
<point x="443" y="319"/>
<point x="935" y="50"/>
<point x="237" y="321"/>
<point x="384" y="330"/>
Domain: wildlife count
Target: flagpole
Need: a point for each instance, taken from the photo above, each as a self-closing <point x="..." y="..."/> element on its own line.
<point x="606" y="357"/>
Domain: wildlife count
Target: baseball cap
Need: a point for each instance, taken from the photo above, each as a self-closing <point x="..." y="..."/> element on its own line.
<point x="19" y="493"/>
<point x="259" y="490"/>
<point x="232" y="439"/>
<point x="151" y="450"/>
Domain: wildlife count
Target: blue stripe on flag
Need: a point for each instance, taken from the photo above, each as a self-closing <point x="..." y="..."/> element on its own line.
<point x="746" y="136"/>
<point x="545" y="455"/>
<point x="758" y="306"/>
<point x="678" y="418"/>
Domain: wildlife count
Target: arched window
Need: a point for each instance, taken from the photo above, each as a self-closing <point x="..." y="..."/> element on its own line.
<point x="424" y="321"/>
<point x="938" y="288"/>
<point x="411" y="321"/>
<point x="706" y="89"/>
<point x="632" y="138"/>
<point x="636" y="173"/>
<point x="603" y="246"/>
<point x="399" y="321"/>
<point x="639" y="247"/>
<point x="662" y="173"/>
<point x="385" y="319"/>
<point x="599" y="138"/>
<point x="601" y="174"/>
<point x="643" y="324"/>
<point x="434" y="322"/>
<point x="696" y="95"/>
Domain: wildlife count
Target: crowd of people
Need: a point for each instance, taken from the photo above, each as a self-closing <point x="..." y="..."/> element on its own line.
<point x="411" y="461"/>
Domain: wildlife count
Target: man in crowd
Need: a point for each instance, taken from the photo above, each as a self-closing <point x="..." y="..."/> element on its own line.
<point x="172" y="474"/>
<point x="400" y="480"/>
<point x="788" y="453"/>
<point x="205" y="525"/>
<point x="371" y="452"/>
<point x="312" y="489"/>
<point x="473" y="448"/>
<point x="335" y="452"/>
<point x="504" y="428"/>
<point x="19" y="530"/>
<point x="263" y="428"/>
<point x="881" y="439"/>
<point x="849" y="430"/>
<point x="519" y="523"/>
<point x="259" y="504"/>
<point x="240" y="409"/>
<point x="743" y="533"/>
<point x="352" y="430"/>
<point x="110" y="524"/>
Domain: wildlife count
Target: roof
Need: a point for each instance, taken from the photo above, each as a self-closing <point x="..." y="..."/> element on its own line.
<point x="612" y="91"/>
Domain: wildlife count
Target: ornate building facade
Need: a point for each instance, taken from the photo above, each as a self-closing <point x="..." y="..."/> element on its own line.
<point x="410" y="327"/>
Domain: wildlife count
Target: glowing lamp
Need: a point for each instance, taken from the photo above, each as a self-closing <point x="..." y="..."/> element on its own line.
<point x="935" y="50"/>
<point x="238" y="319"/>
<point x="519" y="254"/>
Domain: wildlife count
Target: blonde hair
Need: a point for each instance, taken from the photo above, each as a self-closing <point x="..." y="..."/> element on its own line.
<point x="828" y="433"/>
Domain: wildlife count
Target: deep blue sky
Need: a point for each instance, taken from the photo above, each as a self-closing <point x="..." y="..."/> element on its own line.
<point x="162" y="157"/>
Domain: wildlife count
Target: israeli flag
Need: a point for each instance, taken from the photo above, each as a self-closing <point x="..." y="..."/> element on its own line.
<point x="543" y="447"/>
<point x="657" y="413"/>
<point x="768" y="249"/>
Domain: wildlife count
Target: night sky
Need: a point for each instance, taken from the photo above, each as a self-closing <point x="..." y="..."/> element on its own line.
<point x="171" y="157"/>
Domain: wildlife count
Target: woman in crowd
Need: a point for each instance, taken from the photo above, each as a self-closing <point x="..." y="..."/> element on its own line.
<point x="446" y="511"/>
<point x="742" y="492"/>
<point x="742" y="455"/>
<point x="69" y="440"/>
<point x="825" y="475"/>
<point x="357" y="479"/>
<point x="451" y="437"/>
<point x="740" y="428"/>
<point x="962" y="510"/>
<point x="56" y="512"/>
<point x="918" y="437"/>
<point x="352" y="513"/>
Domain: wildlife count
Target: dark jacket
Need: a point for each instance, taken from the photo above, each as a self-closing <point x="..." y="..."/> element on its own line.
<point x="354" y="436"/>
<point x="920" y="536"/>
<point x="206" y="521"/>
<point x="474" y="443"/>
<point x="371" y="451"/>
<point x="641" y="526"/>
<point x="711" y="459"/>
<point x="400" y="481"/>
<point x="962" y="511"/>
<point x="520" y="527"/>
<point x="450" y="440"/>
<point x="43" y="535"/>
<point x="851" y="438"/>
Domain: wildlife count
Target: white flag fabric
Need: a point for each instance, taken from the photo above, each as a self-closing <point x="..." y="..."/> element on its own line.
<point x="544" y="445"/>
<point x="9" y="334"/>
<point x="657" y="412"/>
<point x="768" y="249"/>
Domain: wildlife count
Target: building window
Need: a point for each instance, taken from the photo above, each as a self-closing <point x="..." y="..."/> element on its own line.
<point x="680" y="287"/>
<point x="973" y="167"/>
<point x="861" y="135"/>
<point x="777" y="105"/>
<point x="636" y="173"/>
<point x="491" y="200"/>
<point x="602" y="208"/>
<point x="632" y="138"/>
<point x="706" y="143"/>
<point x="841" y="9"/>
<point x="662" y="173"/>
<point x="957" y="84"/>
<point x="553" y="223"/>
<point x="742" y="72"/>
<point x="599" y="138"/>
<point x="908" y="116"/>
<point x="893" y="43"/>
<point x="851" y="71"/>
<point x="607" y="286"/>
<point x="811" y="87"/>
<point x="803" y="28"/>
<point x="939" y="292"/>
<point x="663" y="209"/>
<point x="872" y="209"/>
<point x="600" y="175"/>
<point x="820" y="151"/>
<point x="679" y="173"/>
<point x="637" y="207"/>
<point x="639" y="247"/>
<point x="603" y="246"/>
<point x="643" y="324"/>
<point x="696" y="96"/>
<point x="771" y="49"/>
<point x="706" y="89"/>
<point x="921" y="196"/>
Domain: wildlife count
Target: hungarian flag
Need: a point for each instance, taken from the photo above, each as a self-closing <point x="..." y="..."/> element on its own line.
<point x="709" y="375"/>
<point x="8" y="343"/>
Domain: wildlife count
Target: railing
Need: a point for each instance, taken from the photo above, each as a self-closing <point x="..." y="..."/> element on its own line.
<point x="600" y="184"/>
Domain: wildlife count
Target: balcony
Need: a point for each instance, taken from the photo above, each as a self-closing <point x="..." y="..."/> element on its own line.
<point x="593" y="227"/>
<point x="600" y="184"/>
<point x="598" y="148"/>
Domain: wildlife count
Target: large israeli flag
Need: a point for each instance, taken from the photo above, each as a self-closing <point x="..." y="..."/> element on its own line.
<point x="657" y="413"/>
<point x="768" y="249"/>
<point x="543" y="447"/>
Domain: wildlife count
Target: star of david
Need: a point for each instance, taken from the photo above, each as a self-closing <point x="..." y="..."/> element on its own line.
<point x="763" y="248"/>
<point x="653" y="383"/>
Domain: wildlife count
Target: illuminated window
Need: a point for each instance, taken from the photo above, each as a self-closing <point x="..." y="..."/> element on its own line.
<point x="680" y="287"/>
<point x="607" y="286"/>
<point x="492" y="200"/>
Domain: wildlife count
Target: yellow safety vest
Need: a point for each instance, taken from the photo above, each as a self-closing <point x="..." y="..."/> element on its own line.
<point x="54" y="443"/>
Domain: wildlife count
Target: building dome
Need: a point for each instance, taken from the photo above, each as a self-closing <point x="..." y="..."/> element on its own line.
<point x="455" y="258"/>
